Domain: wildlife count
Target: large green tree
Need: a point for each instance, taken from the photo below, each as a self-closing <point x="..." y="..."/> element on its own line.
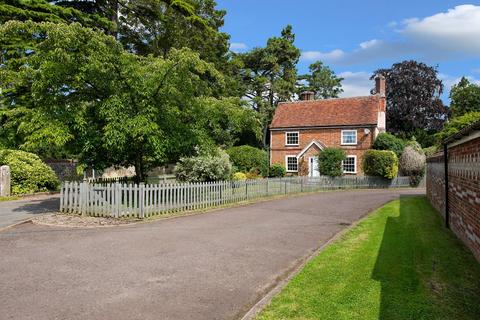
<point x="78" y="89"/>
<point x="321" y="80"/>
<point x="42" y="10"/>
<point x="465" y="97"/>
<point x="269" y="75"/>
<point x="413" y="92"/>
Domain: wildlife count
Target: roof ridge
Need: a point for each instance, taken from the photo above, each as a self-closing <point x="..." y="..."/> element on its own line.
<point x="329" y="99"/>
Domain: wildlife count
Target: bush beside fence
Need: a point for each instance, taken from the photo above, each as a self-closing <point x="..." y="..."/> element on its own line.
<point x="144" y="200"/>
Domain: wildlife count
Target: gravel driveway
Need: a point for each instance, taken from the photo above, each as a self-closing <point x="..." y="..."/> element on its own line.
<point x="210" y="266"/>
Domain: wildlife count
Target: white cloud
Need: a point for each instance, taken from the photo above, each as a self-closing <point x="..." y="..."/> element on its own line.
<point x="356" y="83"/>
<point x="318" y="55"/>
<point x="445" y="35"/>
<point x="238" y="46"/>
<point x="449" y="81"/>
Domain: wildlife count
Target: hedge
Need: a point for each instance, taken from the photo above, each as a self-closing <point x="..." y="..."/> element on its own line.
<point x="382" y="163"/>
<point x="29" y="174"/>
<point x="330" y="161"/>
<point x="387" y="141"/>
<point x="248" y="159"/>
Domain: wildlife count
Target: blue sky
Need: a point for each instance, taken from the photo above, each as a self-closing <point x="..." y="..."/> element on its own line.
<point x="357" y="37"/>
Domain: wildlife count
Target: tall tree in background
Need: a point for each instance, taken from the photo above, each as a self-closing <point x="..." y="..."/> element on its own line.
<point x="414" y="107"/>
<point x="465" y="97"/>
<point x="321" y="80"/>
<point x="269" y="75"/>
<point x="42" y="10"/>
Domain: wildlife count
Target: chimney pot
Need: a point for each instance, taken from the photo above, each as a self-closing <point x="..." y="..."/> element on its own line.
<point x="380" y="85"/>
<point x="307" y="95"/>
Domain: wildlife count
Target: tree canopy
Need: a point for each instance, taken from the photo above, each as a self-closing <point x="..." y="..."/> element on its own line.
<point x="78" y="89"/>
<point x="413" y="92"/>
<point x="269" y="75"/>
<point x="465" y="98"/>
<point x="321" y="80"/>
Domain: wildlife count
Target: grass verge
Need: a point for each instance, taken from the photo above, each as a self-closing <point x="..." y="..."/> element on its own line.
<point x="10" y="198"/>
<point x="399" y="263"/>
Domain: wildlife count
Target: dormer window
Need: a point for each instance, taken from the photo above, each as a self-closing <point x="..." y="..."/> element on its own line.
<point x="349" y="137"/>
<point x="291" y="138"/>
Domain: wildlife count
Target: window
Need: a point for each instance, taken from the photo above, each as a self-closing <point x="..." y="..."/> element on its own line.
<point x="291" y="138"/>
<point x="291" y="163"/>
<point x="349" y="136"/>
<point x="350" y="164"/>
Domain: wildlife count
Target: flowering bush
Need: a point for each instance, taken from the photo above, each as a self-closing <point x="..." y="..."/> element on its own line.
<point x="412" y="164"/>
<point x="204" y="167"/>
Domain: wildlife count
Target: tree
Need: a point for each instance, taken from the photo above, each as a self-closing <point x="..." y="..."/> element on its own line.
<point x="456" y="124"/>
<point x="413" y="98"/>
<point x="44" y="11"/>
<point x="228" y="122"/>
<point x="465" y="97"/>
<point x="321" y="80"/>
<point x="78" y="89"/>
<point x="269" y="75"/>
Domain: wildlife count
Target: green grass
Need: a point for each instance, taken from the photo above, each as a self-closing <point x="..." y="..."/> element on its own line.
<point x="399" y="263"/>
<point x="10" y="198"/>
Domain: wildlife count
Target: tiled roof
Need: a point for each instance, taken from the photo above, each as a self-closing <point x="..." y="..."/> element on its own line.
<point x="327" y="112"/>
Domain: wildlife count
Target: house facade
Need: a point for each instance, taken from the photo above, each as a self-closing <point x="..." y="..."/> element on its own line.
<point x="301" y="129"/>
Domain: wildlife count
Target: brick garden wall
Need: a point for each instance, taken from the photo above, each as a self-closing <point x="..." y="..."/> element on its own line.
<point x="464" y="190"/>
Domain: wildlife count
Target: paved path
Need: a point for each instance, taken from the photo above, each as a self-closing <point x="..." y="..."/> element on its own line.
<point x="210" y="266"/>
<point x="12" y="212"/>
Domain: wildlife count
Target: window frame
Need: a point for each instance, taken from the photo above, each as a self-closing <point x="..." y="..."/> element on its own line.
<point x="349" y="143"/>
<point x="286" y="162"/>
<point x="292" y="144"/>
<point x="354" y="164"/>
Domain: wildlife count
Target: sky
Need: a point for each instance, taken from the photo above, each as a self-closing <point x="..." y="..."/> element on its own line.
<point x="354" y="38"/>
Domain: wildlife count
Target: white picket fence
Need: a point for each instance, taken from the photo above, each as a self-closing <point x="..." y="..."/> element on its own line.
<point x="144" y="200"/>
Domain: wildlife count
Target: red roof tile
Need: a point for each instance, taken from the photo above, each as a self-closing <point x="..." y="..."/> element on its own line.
<point x="327" y="112"/>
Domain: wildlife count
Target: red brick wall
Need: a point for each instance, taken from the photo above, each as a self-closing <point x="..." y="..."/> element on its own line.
<point x="464" y="190"/>
<point x="329" y="137"/>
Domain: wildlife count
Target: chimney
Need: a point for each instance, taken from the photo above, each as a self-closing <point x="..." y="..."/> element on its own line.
<point x="307" y="95"/>
<point x="380" y="85"/>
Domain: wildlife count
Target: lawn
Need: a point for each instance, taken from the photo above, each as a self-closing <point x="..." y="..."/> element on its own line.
<point x="399" y="263"/>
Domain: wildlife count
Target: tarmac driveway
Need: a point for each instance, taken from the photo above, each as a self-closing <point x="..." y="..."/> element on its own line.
<point x="15" y="211"/>
<point x="210" y="266"/>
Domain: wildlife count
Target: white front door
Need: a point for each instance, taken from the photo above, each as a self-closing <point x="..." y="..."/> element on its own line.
<point x="313" y="167"/>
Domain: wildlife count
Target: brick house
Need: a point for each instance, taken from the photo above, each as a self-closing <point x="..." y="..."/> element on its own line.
<point x="301" y="129"/>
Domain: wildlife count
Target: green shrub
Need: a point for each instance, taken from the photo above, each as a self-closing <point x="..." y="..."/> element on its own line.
<point x="381" y="163"/>
<point x="247" y="158"/>
<point x="412" y="164"/>
<point x="204" y="167"/>
<point x="29" y="173"/>
<point x="239" y="176"/>
<point x="276" y="171"/>
<point x="387" y="141"/>
<point x="456" y="124"/>
<point x="430" y="151"/>
<point x="330" y="161"/>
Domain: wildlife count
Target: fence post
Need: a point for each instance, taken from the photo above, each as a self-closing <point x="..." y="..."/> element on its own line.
<point x="246" y="189"/>
<point x="301" y="184"/>
<point x="117" y="199"/>
<point x="142" y="199"/>
<point x="285" y="186"/>
<point x="5" y="181"/>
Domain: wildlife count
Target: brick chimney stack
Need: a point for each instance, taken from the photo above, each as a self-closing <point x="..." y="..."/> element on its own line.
<point x="307" y="95"/>
<point x="380" y="85"/>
